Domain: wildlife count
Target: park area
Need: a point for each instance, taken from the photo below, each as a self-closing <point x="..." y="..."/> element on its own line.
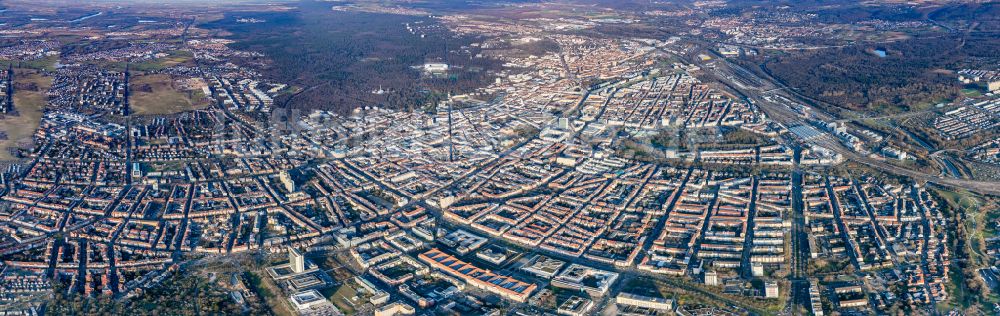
<point x="16" y="130"/>
<point x="161" y="94"/>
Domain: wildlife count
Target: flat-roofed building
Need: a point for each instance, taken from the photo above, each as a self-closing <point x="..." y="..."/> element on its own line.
<point x="656" y="303"/>
<point x="436" y="67"/>
<point x="311" y="303"/>
<point x="712" y="278"/>
<point x="595" y="281"/>
<point x="543" y="266"/>
<point x="506" y="287"/>
<point x="575" y="306"/>
<point x="771" y="289"/>
<point x="854" y="303"/>
<point x="396" y="308"/>
<point x="296" y="261"/>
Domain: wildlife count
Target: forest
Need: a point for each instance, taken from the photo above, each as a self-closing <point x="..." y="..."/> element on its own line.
<point x="827" y="11"/>
<point x="985" y="15"/>
<point x="913" y="73"/>
<point x="339" y="58"/>
<point x="180" y="294"/>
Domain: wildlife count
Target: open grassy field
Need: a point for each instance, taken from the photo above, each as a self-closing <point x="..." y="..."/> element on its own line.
<point x="47" y="63"/>
<point x="29" y="104"/>
<point x="173" y="58"/>
<point x="975" y="213"/>
<point x="159" y="94"/>
<point x="264" y="286"/>
<point x="343" y="298"/>
<point x="972" y="93"/>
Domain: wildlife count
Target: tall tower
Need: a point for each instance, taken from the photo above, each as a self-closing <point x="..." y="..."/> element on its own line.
<point x="286" y="180"/>
<point x="296" y="260"/>
<point x="771" y="289"/>
<point x="451" y="142"/>
<point x="711" y="278"/>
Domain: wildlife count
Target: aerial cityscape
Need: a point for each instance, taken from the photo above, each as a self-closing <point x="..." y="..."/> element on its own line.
<point x="514" y="157"/>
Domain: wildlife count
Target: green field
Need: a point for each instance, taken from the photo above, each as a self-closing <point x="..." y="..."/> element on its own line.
<point x="47" y="63"/>
<point x="29" y="104"/>
<point x="173" y="58"/>
<point x="159" y="94"/>
<point x="972" y="93"/>
<point x="269" y="291"/>
<point x="343" y="298"/>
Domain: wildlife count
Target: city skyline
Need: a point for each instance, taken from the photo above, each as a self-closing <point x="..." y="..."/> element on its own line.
<point x="513" y="158"/>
